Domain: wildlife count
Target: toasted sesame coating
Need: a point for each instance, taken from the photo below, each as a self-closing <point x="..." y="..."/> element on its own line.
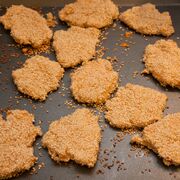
<point x="89" y="13"/>
<point x="76" y="45"/>
<point x="94" y="82"/>
<point x="162" y="60"/>
<point x="38" y="77"/>
<point x="135" y="106"/>
<point x="74" y="137"/>
<point x="146" y="19"/>
<point x="163" y="137"/>
<point x="17" y="135"/>
<point x="27" y="26"/>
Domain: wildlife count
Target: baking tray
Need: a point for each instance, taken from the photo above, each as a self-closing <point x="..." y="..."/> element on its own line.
<point x="134" y="163"/>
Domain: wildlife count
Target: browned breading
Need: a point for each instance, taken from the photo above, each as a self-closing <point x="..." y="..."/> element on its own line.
<point x="38" y="77"/>
<point x="163" y="137"/>
<point x="74" y="137"/>
<point x="90" y="13"/>
<point x="75" y="45"/>
<point x="27" y="26"/>
<point x="135" y="106"/>
<point x="17" y="135"/>
<point x="146" y="19"/>
<point x="162" y="60"/>
<point x="94" y="82"/>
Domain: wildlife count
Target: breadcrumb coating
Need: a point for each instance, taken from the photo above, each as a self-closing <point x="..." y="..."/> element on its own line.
<point x="135" y="106"/>
<point x="162" y="60"/>
<point x="90" y="13"/>
<point x="163" y="137"/>
<point x="93" y="82"/>
<point x="76" y="45"/>
<point x="38" y="77"/>
<point x="74" y="137"/>
<point x="146" y="19"/>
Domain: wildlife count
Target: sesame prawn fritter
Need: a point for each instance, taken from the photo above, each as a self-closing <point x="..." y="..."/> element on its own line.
<point x="135" y="106"/>
<point x="163" y="137"/>
<point x="146" y="19"/>
<point x="74" y="137"/>
<point x="162" y="60"/>
<point x="38" y="77"/>
<point x="27" y="26"/>
<point x="94" y="82"/>
<point x="75" y="45"/>
<point x="17" y="135"/>
<point x="89" y="13"/>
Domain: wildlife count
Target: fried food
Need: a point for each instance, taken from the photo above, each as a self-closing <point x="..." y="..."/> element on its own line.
<point x="76" y="45"/>
<point x="90" y="13"/>
<point x="163" y="137"/>
<point x="135" y="106"/>
<point x="17" y="135"/>
<point x="94" y="82"/>
<point x="38" y="77"/>
<point x="74" y="137"/>
<point x="146" y="19"/>
<point x="162" y="60"/>
<point x="27" y="26"/>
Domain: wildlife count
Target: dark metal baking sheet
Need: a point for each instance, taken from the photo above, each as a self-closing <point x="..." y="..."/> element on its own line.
<point x="135" y="164"/>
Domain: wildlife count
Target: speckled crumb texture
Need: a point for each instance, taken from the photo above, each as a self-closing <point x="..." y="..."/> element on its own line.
<point x="90" y="13"/>
<point x="17" y="135"/>
<point x="27" y="26"/>
<point x="135" y="106"/>
<point x="93" y="82"/>
<point x="163" y="137"/>
<point x="146" y="19"/>
<point x="76" y="45"/>
<point x="162" y="60"/>
<point x="74" y="137"/>
<point x="38" y="77"/>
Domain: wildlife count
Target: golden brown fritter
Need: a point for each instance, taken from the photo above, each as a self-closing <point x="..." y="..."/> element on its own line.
<point x="162" y="60"/>
<point x="135" y="106"/>
<point x="17" y="135"/>
<point x="27" y="26"/>
<point x="94" y="82"/>
<point x="75" y="45"/>
<point x="38" y="77"/>
<point x="163" y="137"/>
<point x="90" y="13"/>
<point x="146" y="19"/>
<point x="74" y="137"/>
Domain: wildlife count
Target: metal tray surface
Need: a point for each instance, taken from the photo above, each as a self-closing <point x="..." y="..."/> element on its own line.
<point x="135" y="164"/>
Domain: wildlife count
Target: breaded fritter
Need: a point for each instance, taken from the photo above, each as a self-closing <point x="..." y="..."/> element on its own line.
<point x="74" y="137"/>
<point x="38" y="77"/>
<point x="163" y="137"/>
<point x="135" y="106"/>
<point x="90" y="13"/>
<point x="75" y="45"/>
<point x="162" y="60"/>
<point x="17" y="135"/>
<point x="27" y="26"/>
<point x="146" y="19"/>
<point x="94" y="82"/>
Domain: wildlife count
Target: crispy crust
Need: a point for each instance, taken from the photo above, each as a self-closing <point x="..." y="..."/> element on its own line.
<point x="146" y="19"/>
<point x="162" y="60"/>
<point x="163" y="137"/>
<point x="76" y="45"/>
<point x="135" y="106"/>
<point x="90" y="13"/>
<point x="38" y="77"/>
<point x="74" y="137"/>
<point x="17" y="135"/>
<point x="94" y="82"/>
<point x="27" y="26"/>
